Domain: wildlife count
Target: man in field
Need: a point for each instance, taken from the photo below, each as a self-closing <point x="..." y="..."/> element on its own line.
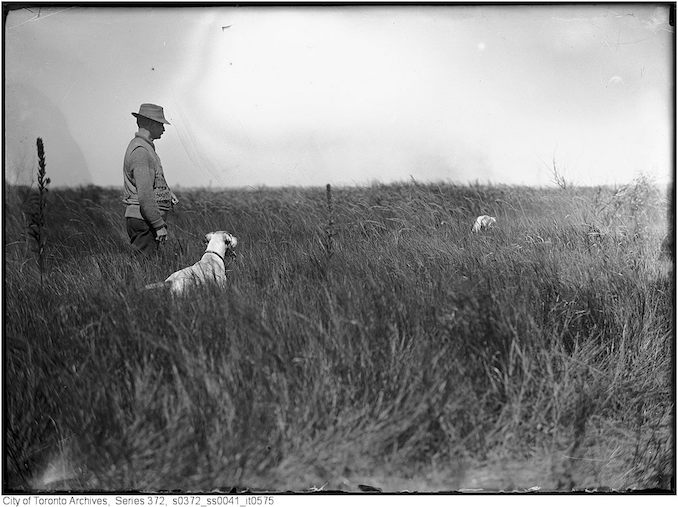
<point x="145" y="191"/>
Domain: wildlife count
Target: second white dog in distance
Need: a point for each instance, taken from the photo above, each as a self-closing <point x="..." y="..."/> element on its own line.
<point x="484" y="222"/>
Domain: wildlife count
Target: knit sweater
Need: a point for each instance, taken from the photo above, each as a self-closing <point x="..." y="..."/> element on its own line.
<point x="145" y="191"/>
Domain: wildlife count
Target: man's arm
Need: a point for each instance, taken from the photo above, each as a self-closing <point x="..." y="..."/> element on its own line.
<point x="144" y="175"/>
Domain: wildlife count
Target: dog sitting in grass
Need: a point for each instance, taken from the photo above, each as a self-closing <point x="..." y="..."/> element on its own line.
<point x="210" y="268"/>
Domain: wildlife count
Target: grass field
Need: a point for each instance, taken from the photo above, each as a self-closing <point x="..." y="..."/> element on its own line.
<point x="376" y="341"/>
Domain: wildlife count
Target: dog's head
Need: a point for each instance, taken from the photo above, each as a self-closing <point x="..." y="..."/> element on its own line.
<point x="229" y="240"/>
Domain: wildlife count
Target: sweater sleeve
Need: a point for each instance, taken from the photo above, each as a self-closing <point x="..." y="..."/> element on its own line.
<point x="142" y="172"/>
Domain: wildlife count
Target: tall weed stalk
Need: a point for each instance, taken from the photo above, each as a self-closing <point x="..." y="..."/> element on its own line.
<point x="329" y="230"/>
<point x="36" y="212"/>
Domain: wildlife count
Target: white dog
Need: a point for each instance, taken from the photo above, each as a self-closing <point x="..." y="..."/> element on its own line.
<point x="210" y="267"/>
<point x="484" y="222"/>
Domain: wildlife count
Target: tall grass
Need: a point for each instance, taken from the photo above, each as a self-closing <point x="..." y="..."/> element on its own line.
<point x="421" y="357"/>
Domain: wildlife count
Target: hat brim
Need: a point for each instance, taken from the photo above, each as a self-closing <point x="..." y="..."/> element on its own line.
<point x="137" y="115"/>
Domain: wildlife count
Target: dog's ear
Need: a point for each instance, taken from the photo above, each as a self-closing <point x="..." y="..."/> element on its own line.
<point x="229" y="239"/>
<point x="208" y="237"/>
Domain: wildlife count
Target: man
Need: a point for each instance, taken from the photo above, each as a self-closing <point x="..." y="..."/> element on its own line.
<point x="145" y="191"/>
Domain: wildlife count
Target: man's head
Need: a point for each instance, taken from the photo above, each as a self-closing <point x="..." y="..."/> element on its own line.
<point x="151" y="118"/>
<point x="154" y="128"/>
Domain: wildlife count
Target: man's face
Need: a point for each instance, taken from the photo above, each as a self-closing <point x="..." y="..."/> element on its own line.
<point x="156" y="129"/>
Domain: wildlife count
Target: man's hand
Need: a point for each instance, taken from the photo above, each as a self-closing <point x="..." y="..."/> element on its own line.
<point x="161" y="235"/>
<point x="175" y="200"/>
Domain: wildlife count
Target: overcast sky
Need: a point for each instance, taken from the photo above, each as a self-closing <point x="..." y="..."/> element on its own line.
<point x="345" y="95"/>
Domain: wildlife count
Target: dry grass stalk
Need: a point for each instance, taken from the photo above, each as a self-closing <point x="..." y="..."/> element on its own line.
<point x="36" y="212"/>
<point x="329" y="231"/>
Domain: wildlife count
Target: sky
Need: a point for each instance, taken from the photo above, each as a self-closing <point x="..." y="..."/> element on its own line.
<point x="347" y="95"/>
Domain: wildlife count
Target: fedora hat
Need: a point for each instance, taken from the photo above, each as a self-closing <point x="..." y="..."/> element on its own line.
<point x="152" y="112"/>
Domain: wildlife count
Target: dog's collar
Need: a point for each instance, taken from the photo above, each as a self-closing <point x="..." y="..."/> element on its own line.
<point x="218" y="255"/>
